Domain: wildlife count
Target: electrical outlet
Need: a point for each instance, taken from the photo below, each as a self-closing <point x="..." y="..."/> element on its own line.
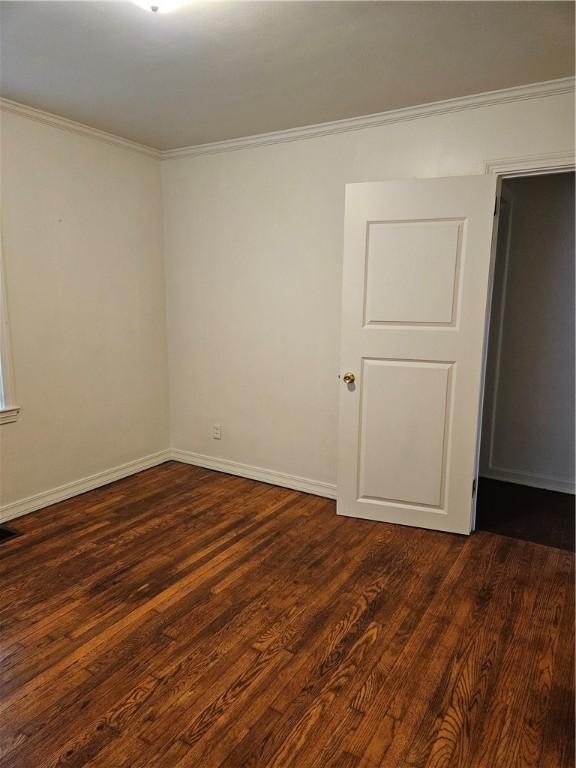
<point x="217" y="431"/>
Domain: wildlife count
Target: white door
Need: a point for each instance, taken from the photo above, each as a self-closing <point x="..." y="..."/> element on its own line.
<point x="417" y="274"/>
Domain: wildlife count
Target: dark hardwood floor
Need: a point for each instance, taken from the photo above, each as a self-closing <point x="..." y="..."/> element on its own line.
<point x="182" y="617"/>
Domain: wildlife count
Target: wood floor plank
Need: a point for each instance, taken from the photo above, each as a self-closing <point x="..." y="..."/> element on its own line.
<point x="182" y="617"/>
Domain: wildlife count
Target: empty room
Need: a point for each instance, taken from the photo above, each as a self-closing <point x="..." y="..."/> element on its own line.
<point x="287" y="355"/>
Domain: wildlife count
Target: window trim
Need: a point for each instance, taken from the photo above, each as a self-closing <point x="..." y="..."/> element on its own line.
<point x="9" y="411"/>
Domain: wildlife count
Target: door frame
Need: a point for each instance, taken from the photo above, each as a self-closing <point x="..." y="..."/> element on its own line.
<point x="532" y="165"/>
<point x="511" y="168"/>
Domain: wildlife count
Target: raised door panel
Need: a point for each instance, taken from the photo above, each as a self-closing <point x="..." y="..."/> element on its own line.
<point x="411" y="272"/>
<point x="404" y="430"/>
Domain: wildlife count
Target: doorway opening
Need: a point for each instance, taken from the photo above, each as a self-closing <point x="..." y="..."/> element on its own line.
<point x="527" y="457"/>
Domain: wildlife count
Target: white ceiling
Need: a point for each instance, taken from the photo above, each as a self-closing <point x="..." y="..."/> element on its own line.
<point x="218" y="70"/>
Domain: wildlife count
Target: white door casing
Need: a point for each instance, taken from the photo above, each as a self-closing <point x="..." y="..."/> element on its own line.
<point x="416" y="282"/>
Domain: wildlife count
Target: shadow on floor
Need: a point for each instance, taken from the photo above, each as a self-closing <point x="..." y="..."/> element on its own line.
<point x="530" y="514"/>
<point x="7" y="533"/>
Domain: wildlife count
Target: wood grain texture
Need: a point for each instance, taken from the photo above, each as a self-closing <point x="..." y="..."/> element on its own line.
<point x="182" y="617"/>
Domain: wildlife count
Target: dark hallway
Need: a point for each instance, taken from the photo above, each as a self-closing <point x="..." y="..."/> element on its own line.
<point x="530" y="514"/>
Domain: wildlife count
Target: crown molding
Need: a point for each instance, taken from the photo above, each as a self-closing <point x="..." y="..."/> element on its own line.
<point x="475" y="101"/>
<point x="490" y="98"/>
<point x="47" y="118"/>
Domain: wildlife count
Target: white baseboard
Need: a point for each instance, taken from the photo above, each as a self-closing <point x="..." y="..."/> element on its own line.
<point x="61" y="493"/>
<point x="328" y="490"/>
<point x="46" y="498"/>
<point x="545" y="482"/>
<point x="271" y="476"/>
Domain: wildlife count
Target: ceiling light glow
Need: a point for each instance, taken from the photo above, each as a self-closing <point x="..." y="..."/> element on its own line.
<point x="158" y="6"/>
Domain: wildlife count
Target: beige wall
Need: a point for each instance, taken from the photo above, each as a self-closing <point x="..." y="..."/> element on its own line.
<point x="252" y="251"/>
<point x="253" y="248"/>
<point x="82" y="235"/>
<point x="528" y="431"/>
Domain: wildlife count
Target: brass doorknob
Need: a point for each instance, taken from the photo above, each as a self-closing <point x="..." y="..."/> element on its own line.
<point x="349" y="378"/>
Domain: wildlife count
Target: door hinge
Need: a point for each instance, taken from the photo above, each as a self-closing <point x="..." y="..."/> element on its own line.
<point x="474" y="483"/>
<point x="496" y="206"/>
